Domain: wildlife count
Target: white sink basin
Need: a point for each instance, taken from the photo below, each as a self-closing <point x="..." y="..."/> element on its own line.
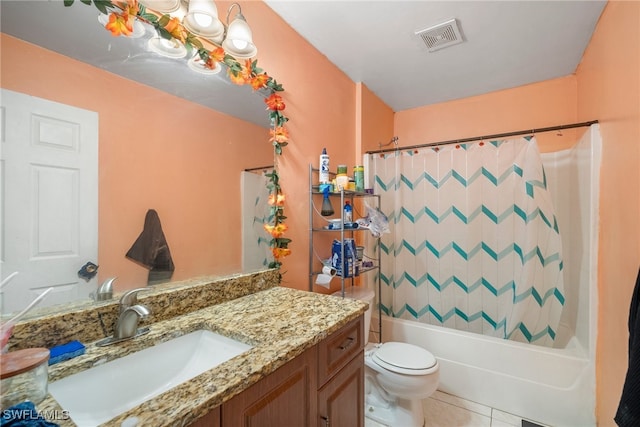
<point x="103" y="392"/>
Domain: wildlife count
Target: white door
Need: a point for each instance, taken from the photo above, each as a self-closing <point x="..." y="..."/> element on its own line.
<point x="49" y="197"/>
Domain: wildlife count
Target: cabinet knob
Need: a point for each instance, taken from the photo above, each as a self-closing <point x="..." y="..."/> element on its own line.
<point x="347" y="343"/>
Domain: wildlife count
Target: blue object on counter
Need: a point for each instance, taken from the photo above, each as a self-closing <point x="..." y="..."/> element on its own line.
<point x="65" y="352"/>
<point x="24" y="415"/>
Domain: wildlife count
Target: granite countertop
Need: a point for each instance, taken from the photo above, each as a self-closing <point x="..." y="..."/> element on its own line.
<point x="280" y="323"/>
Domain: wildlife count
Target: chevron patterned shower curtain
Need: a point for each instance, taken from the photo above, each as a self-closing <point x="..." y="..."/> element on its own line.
<point x="474" y="244"/>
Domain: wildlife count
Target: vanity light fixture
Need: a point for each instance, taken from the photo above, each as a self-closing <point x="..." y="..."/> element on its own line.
<point x="163" y="6"/>
<point x="238" y="39"/>
<point x="168" y="48"/>
<point x="202" y="20"/>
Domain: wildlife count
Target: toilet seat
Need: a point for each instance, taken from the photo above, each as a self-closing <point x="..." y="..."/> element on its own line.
<point x="404" y="358"/>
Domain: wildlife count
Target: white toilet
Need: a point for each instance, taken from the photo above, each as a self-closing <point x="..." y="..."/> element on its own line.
<point x="397" y="377"/>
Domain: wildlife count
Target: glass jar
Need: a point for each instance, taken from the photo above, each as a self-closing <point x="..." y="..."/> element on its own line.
<point x="24" y="376"/>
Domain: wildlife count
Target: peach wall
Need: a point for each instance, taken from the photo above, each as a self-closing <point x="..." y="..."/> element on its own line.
<point x="548" y="103"/>
<point x="608" y="81"/>
<point x="156" y="151"/>
<point x="374" y="120"/>
<point x="320" y="102"/>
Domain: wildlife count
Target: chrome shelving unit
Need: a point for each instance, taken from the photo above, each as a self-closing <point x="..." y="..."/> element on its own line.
<point x="315" y="263"/>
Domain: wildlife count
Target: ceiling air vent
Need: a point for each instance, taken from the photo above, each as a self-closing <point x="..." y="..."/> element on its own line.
<point x="441" y="35"/>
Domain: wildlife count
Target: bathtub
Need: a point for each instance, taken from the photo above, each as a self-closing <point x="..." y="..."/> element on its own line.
<point x="553" y="386"/>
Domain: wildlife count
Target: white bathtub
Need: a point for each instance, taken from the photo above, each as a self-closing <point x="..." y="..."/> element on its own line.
<point x="554" y="386"/>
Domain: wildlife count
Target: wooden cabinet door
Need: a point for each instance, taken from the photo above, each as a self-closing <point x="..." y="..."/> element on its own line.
<point x="212" y="419"/>
<point x="284" y="398"/>
<point x="341" y="400"/>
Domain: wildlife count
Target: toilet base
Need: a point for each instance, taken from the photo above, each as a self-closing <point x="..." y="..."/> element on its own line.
<point x="401" y="413"/>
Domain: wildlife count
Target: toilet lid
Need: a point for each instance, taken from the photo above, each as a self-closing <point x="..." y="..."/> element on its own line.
<point x="404" y="358"/>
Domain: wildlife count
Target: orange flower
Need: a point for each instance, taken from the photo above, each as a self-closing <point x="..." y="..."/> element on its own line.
<point x="243" y="76"/>
<point x="259" y="81"/>
<point x="276" y="199"/>
<point x="130" y="7"/>
<point x="215" y="56"/>
<point x="274" y="102"/>
<point x="120" y="24"/>
<point x="280" y="134"/>
<point x="275" y="230"/>
<point x="280" y="252"/>
<point x="248" y="66"/>
<point x="175" y="28"/>
<point x="236" y="78"/>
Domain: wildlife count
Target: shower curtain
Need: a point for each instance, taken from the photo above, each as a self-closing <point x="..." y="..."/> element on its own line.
<point x="474" y="243"/>
<point x="256" y="248"/>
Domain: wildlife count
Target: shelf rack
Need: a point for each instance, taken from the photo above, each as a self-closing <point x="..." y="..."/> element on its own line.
<point x="343" y="195"/>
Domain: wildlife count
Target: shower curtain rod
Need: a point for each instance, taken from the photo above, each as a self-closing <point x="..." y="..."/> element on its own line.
<point x="485" y="137"/>
<point x="259" y="168"/>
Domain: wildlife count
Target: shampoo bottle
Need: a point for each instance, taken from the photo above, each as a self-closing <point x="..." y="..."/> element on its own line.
<point x="324" y="167"/>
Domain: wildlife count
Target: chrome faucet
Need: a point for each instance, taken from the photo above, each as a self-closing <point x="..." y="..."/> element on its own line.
<point x="105" y="291"/>
<point x="130" y="313"/>
<point x="127" y="324"/>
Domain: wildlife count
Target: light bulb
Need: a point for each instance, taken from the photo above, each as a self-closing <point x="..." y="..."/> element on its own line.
<point x="240" y="44"/>
<point x="202" y="19"/>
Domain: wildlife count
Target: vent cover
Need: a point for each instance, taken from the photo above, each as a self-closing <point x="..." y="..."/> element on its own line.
<point x="441" y="35"/>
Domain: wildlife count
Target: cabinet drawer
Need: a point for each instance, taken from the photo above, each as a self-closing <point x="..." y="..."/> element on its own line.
<point x="338" y="349"/>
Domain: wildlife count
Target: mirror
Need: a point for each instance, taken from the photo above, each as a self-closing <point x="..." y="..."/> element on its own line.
<point x="178" y="150"/>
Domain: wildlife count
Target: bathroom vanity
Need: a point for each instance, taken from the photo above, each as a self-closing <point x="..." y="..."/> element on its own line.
<point x="322" y="386"/>
<point x="305" y="366"/>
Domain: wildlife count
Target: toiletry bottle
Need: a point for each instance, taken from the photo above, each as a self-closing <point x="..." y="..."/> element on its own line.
<point x="341" y="178"/>
<point x="358" y="176"/>
<point x="324" y="167"/>
<point x="348" y="212"/>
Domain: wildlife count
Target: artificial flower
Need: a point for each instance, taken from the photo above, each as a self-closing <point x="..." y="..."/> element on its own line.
<point x="120" y="24"/>
<point x="274" y="102"/>
<point x="130" y="7"/>
<point x="276" y="199"/>
<point x="280" y="252"/>
<point x="279" y="135"/>
<point x="175" y="28"/>
<point x="238" y="78"/>
<point x="259" y="81"/>
<point x="275" y="230"/>
<point x="217" y="54"/>
<point x="243" y="76"/>
<point x="214" y="57"/>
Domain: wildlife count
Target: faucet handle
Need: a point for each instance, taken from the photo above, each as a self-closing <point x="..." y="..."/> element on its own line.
<point x="129" y="298"/>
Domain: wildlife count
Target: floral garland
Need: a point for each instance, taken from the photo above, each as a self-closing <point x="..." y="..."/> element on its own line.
<point x="122" y="15"/>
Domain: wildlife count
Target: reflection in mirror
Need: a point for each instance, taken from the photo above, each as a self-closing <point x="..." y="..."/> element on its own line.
<point x="178" y="150"/>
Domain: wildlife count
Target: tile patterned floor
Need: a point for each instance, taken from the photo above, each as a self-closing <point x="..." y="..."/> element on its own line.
<point x="445" y="410"/>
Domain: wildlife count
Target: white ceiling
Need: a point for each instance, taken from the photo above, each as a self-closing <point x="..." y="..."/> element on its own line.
<point x="506" y="43"/>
